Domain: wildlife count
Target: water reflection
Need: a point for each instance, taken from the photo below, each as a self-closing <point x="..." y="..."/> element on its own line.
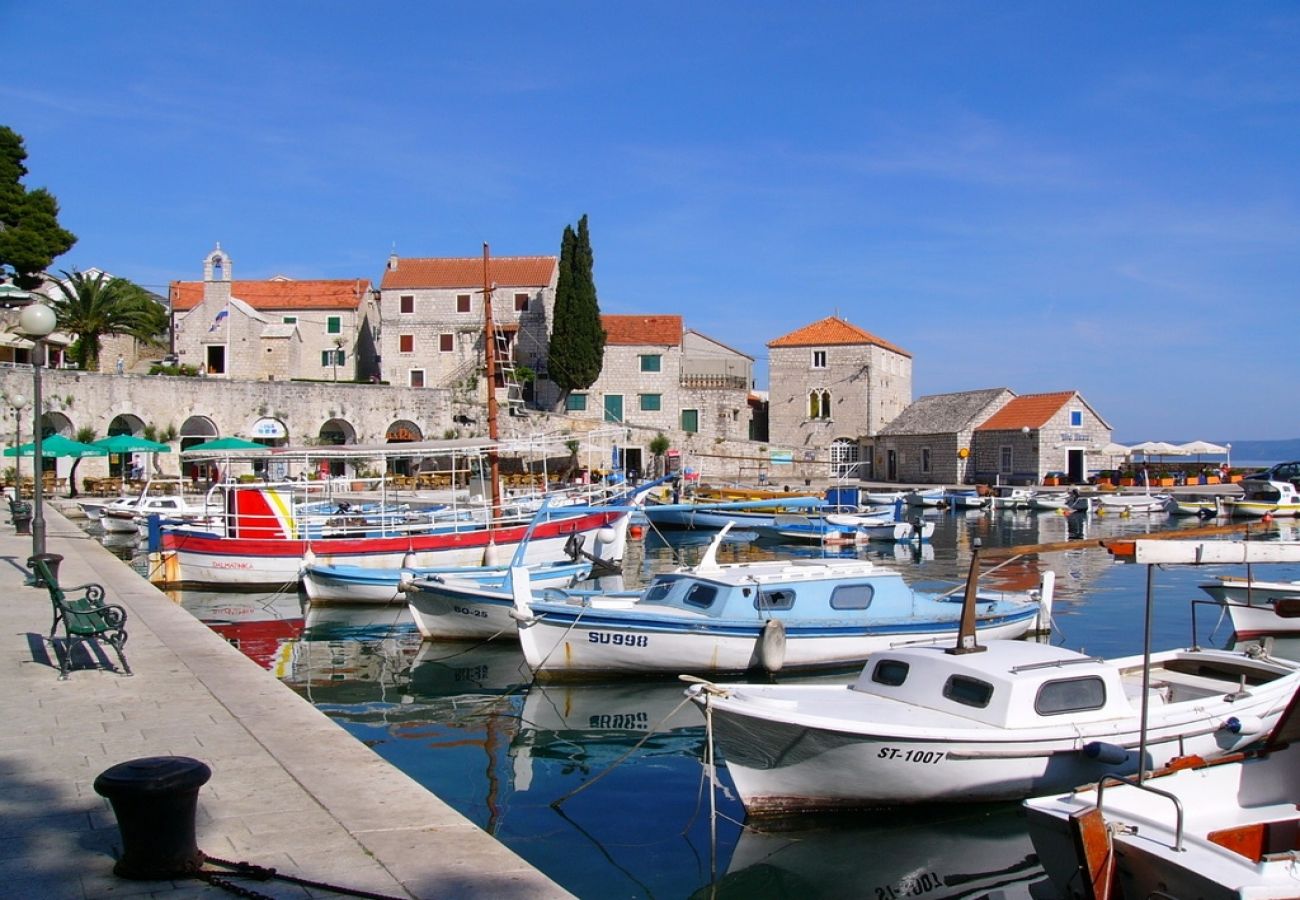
<point x="602" y="785"/>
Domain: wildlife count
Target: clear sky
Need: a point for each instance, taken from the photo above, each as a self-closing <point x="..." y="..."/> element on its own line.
<point x="1034" y="195"/>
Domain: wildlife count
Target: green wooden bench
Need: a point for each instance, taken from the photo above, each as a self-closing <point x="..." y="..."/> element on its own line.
<point x="85" y="618"/>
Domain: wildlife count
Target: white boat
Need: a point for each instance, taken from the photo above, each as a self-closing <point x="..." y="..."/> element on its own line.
<point x="932" y="497"/>
<point x="1192" y="505"/>
<point x="1128" y="504"/>
<point x="883" y="498"/>
<point x="926" y="724"/>
<point x="127" y="518"/>
<point x="450" y="608"/>
<point x="367" y="584"/>
<point x="168" y="494"/>
<point x="1226" y="829"/>
<point x="1246" y="590"/>
<point x="897" y="531"/>
<point x="1013" y="498"/>
<point x="967" y="500"/>
<point x="1053" y="501"/>
<point x="1258" y="609"/>
<point x="769" y="615"/>
<point x="1264" y="498"/>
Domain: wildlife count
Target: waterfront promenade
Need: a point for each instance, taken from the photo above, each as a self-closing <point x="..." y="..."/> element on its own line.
<point x="289" y="788"/>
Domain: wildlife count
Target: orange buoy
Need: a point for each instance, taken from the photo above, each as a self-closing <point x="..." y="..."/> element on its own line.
<point x="636" y="531"/>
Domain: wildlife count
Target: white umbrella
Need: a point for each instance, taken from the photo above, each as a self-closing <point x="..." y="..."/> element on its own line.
<point x="1149" y="449"/>
<point x="1113" y="449"/>
<point x="1203" y="447"/>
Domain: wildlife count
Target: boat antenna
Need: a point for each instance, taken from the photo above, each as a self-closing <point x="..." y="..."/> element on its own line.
<point x="489" y="356"/>
<point x="966" y="638"/>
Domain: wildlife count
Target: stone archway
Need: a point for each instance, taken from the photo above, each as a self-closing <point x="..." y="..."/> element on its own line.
<point x="402" y="431"/>
<point x="196" y="430"/>
<point x="336" y="433"/>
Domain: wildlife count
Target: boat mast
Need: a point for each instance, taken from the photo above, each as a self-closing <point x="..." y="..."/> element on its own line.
<point x="489" y="355"/>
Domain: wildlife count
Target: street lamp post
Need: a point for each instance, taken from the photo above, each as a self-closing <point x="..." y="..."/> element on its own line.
<point x="37" y="321"/>
<point x="19" y="403"/>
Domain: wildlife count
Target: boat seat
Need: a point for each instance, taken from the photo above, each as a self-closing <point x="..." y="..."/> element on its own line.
<point x="1190" y="687"/>
<point x="1256" y="840"/>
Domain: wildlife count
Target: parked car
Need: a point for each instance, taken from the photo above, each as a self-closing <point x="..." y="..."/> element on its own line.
<point x="1284" y="471"/>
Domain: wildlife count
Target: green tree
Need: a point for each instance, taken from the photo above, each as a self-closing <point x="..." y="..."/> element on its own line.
<point x="94" y="307"/>
<point x="659" y="445"/>
<point x="30" y="235"/>
<point x="85" y="434"/>
<point x="577" y="338"/>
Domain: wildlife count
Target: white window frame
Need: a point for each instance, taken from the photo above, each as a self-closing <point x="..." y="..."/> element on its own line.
<point x="413" y="374"/>
<point x="818" y="360"/>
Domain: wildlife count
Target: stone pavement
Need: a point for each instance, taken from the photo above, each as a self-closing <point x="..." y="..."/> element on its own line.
<point x="289" y="788"/>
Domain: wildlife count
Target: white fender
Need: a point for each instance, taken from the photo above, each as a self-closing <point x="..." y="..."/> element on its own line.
<point x="771" y="646"/>
<point x="491" y="554"/>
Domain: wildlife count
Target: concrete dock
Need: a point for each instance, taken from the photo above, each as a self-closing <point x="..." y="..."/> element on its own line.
<point x="290" y="789"/>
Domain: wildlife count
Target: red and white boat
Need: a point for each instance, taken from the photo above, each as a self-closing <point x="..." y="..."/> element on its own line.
<point x="264" y="541"/>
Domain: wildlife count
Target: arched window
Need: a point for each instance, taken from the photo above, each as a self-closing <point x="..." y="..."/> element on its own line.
<point x="814" y="405"/>
<point x="826" y="404"/>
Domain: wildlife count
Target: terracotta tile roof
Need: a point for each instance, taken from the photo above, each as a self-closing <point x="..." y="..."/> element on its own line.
<point x="833" y="331"/>
<point x="279" y="293"/>
<point x="665" y="331"/>
<point x="467" y="272"/>
<point x="1032" y="410"/>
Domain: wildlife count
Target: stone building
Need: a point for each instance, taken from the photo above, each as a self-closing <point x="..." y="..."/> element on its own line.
<point x="277" y="329"/>
<point x="1037" y="434"/>
<point x="930" y="441"/>
<point x="432" y="324"/>
<point x="833" y="386"/>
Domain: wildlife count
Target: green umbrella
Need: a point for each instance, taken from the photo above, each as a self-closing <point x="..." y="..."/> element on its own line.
<point x="226" y="445"/>
<point x="129" y="443"/>
<point x="57" y="445"/>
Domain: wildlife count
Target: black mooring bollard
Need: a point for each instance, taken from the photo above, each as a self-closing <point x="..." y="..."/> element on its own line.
<point x="51" y="561"/>
<point x="155" y="799"/>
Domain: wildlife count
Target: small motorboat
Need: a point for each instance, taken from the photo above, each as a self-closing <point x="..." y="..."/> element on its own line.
<point x="926" y="724"/>
<point x="1129" y="504"/>
<point x="1258" y="609"/>
<point x="770" y="615"/>
<point x="1217" y="829"/>
<point x="1192" y="505"/>
<point x="1261" y="498"/>
<point x="368" y="584"/>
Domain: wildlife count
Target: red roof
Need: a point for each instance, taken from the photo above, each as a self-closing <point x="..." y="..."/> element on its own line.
<point x="833" y="331"/>
<point x="1029" y="410"/>
<point x="467" y="272"/>
<point x="279" y="293"/>
<point x="642" y="330"/>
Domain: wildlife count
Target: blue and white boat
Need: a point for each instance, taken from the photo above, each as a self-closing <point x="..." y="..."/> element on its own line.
<point x="769" y="615"/>
<point x="367" y="584"/>
<point x="743" y="513"/>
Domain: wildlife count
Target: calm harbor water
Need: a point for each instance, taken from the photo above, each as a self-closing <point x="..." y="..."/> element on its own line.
<point x="602" y="786"/>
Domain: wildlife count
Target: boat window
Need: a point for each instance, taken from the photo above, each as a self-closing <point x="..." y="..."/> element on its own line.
<point x="968" y="691"/>
<point x="701" y="595"/>
<point x="1070" y="695"/>
<point x="657" y="591"/>
<point x="852" y="596"/>
<point x="782" y="599"/>
<point x="892" y="672"/>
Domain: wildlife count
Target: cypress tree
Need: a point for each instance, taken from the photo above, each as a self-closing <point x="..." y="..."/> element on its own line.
<point x="30" y="235"/>
<point x="577" y="339"/>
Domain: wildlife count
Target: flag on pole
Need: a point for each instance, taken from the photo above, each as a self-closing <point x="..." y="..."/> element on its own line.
<point x="216" y="323"/>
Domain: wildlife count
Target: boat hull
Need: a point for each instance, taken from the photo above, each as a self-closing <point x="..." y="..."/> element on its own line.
<point x="200" y="559"/>
<point x="779" y="765"/>
<point x="563" y="641"/>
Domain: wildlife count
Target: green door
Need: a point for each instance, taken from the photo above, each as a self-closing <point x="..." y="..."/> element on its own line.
<point x="614" y="408"/>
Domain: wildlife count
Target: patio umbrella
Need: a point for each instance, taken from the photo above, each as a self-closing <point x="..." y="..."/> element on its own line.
<point x="226" y="446"/>
<point x="129" y="443"/>
<point x="57" y="445"/>
<point x="1203" y="447"/>
<point x="1149" y="449"/>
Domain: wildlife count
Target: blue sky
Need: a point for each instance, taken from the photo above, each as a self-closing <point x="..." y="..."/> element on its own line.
<point x="1039" y="196"/>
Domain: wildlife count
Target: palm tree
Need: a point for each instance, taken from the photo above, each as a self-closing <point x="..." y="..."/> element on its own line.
<point x="85" y="434"/>
<point x="93" y="307"/>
